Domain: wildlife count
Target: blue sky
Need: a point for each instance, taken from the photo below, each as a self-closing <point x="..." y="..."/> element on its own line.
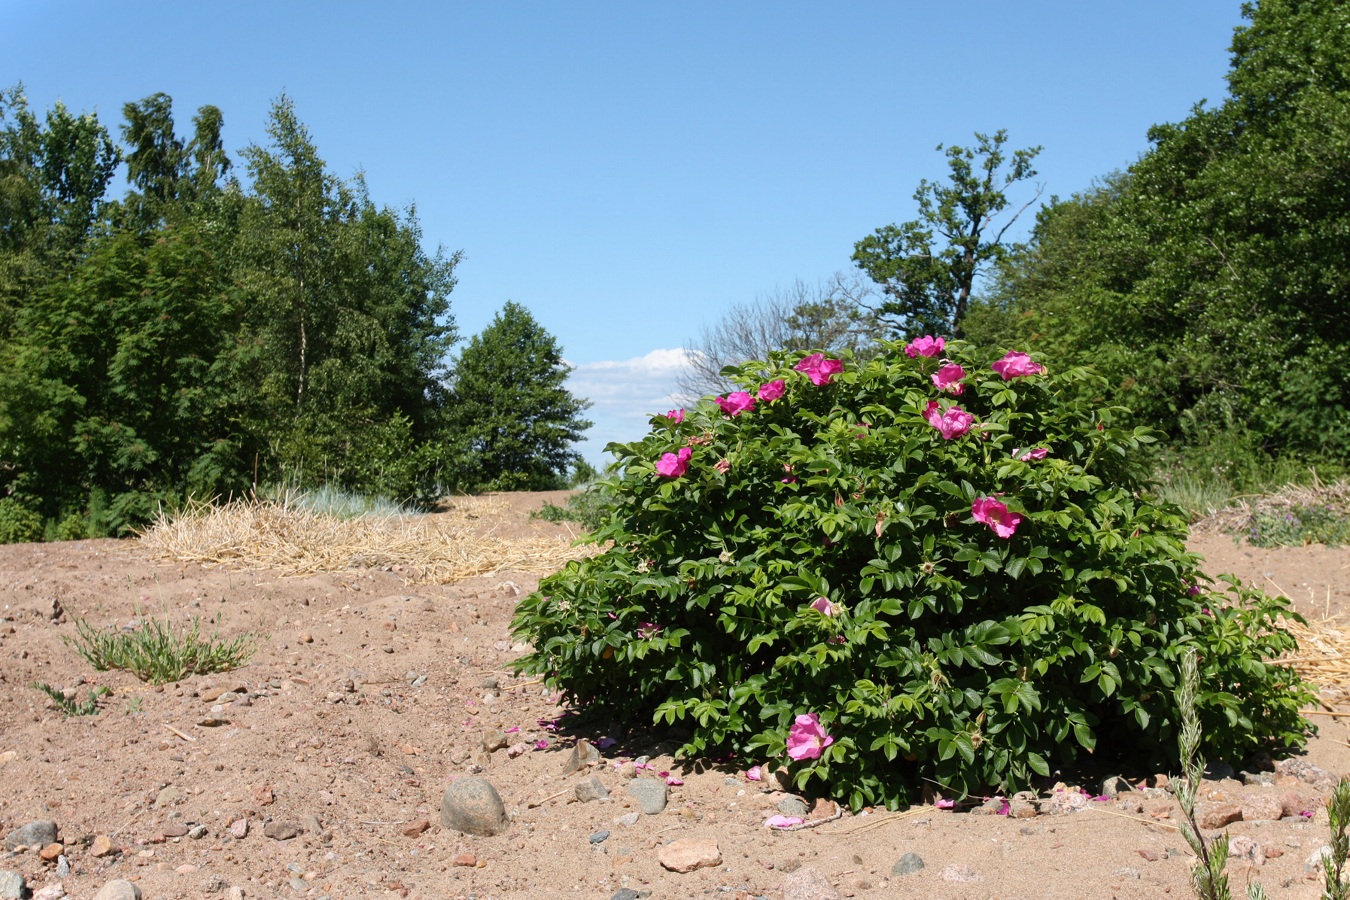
<point x="628" y="170"/>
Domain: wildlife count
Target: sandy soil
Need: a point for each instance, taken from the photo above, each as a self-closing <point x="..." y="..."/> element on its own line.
<point x="371" y="695"/>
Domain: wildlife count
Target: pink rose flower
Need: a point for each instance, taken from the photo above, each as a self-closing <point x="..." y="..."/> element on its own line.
<point x="823" y="606"/>
<point x="1038" y="453"/>
<point x="1017" y="364"/>
<point x="948" y="378"/>
<point x="673" y="465"/>
<point x="772" y="390"/>
<point x="736" y="402"/>
<point x="676" y="416"/>
<point x="924" y="346"/>
<point x="818" y="368"/>
<point x="806" y="739"/>
<point x="952" y="424"/>
<point x="994" y="514"/>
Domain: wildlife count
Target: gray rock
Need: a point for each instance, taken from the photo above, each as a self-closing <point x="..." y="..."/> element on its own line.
<point x="62" y="866"/>
<point x="1115" y="785"/>
<point x="494" y="742"/>
<point x="472" y="805"/>
<point x="310" y="824"/>
<point x="808" y="884"/>
<point x="167" y="796"/>
<point x="628" y="819"/>
<point x="118" y="889"/>
<point x="599" y="837"/>
<point x="582" y="755"/>
<point x="650" y="794"/>
<point x="41" y="832"/>
<point x="589" y="789"/>
<point x="1218" y="770"/>
<point x="12" y="886"/>
<point x="625" y="894"/>
<point x="281" y="831"/>
<point x="1262" y="779"/>
<point x="793" y="806"/>
<point x="907" y="864"/>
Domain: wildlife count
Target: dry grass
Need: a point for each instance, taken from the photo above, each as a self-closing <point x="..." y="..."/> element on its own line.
<point x="1235" y="517"/>
<point x="279" y="535"/>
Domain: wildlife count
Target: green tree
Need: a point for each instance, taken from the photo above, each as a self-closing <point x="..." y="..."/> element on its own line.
<point x="513" y="421"/>
<point x="1210" y="279"/>
<point x="928" y="266"/>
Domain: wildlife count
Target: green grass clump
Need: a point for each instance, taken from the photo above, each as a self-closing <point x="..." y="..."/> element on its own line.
<point x="158" y="653"/>
<point x="1298" y="526"/>
<point x="331" y="500"/>
<point x="68" y="705"/>
<point x="586" y="507"/>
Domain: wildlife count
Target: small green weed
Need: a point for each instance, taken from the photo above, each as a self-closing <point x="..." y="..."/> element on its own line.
<point x="68" y="705"/>
<point x="587" y="507"/>
<point x="1209" y="879"/>
<point x="1297" y="527"/>
<point x="330" y="500"/>
<point x="158" y="653"/>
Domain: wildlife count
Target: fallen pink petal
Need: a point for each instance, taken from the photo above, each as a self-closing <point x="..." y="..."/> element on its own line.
<point x="754" y="774"/>
<point x="540" y="744"/>
<point x="783" y="821"/>
<point x="945" y="804"/>
<point x="673" y="781"/>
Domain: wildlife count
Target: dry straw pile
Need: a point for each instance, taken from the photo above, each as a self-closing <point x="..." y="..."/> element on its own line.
<point x="285" y="537"/>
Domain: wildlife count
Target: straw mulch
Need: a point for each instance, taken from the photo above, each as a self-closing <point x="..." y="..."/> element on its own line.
<point x="287" y="538"/>
<point x="1236" y="517"/>
<point x="1323" y="655"/>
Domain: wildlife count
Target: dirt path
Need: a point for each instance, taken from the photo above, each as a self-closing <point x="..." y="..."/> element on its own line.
<point x="371" y="696"/>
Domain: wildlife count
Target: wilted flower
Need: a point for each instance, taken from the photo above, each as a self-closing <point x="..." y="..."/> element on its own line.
<point x="673" y="465"/>
<point x="924" y="346"/>
<point x="996" y="515"/>
<point x="1038" y="453"/>
<point x="806" y="739"/>
<point x="818" y="368"/>
<point x="723" y="466"/>
<point x="736" y="402"/>
<point x="1016" y="364"/>
<point x="948" y="378"/>
<point x="952" y="424"/>
<point x="772" y="390"/>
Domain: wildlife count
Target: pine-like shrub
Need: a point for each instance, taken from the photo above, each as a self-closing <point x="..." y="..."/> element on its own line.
<point x="922" y="569"/>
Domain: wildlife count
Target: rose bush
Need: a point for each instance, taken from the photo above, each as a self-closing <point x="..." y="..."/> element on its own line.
<point x="878" y="589"/>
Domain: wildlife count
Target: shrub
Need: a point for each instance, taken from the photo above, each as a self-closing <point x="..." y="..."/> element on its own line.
<point x="18" y="524"/>
<point x="904" y="571"/>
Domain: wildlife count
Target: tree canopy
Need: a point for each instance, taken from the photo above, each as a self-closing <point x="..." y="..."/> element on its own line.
<point x="206" y="334"/>
<point x="1210" y="278"/>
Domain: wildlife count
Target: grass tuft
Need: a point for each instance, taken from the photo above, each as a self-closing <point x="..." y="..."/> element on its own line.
<point x="68" y="705"/>
<point x="158" y="653"/>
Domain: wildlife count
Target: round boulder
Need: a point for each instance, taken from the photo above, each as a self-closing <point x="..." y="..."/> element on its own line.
<point x="473" y="806"/>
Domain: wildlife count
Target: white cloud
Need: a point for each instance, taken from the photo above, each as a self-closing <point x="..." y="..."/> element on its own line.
<point x="625" y="394"/>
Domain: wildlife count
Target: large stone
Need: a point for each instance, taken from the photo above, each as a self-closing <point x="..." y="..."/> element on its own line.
<point x="472" y="805"/>
<point x="118" y="890"/>
<point x="1259" y="806"/>
<point x="42" y="832"/>
<point x="650" y="794"/>
<point x="583" y="754"/>
<point x="1212" y="816"/>
<point x="907" y="864"/>
<point x="589" y="789"/>
<point x="281" y="830"/>
<point x="688" y="854"/>
<point x="808" y="884"/>
<point x="12" y="886"/>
